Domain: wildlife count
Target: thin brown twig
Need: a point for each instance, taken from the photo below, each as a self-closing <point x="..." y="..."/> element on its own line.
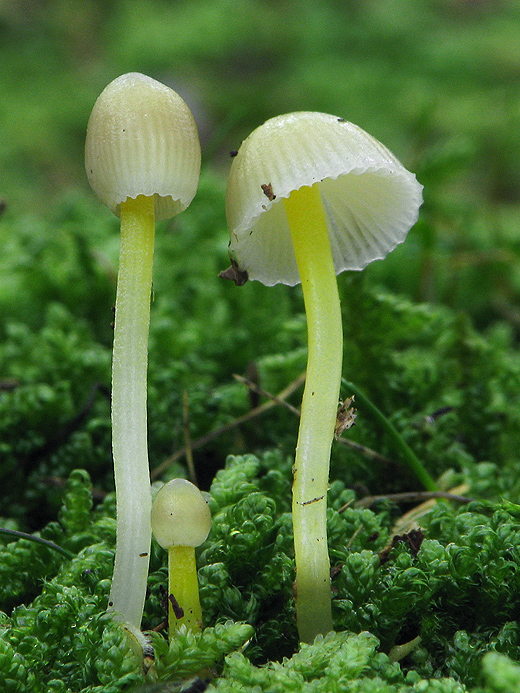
<point x="227" y="427"/>
<point x="273" y="400"/>
<point x="367" y="452"/>
<point x="409" y="496"/>
<point x="259" y="390"/>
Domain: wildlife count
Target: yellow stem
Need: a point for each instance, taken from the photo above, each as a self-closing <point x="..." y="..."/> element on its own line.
<point x="183" y="590"/>
<point x="129" y="392"/>
<point x="307" y="221"/>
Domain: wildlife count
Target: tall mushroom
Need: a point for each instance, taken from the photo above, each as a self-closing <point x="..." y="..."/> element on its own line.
<point x="310" y="195"/>
<point x="142" y="157"/>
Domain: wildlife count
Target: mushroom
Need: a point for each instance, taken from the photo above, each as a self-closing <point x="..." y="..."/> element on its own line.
<point x="181" y="521"/>
<point x="310" y="195"/>
<point x="142" y="157"/>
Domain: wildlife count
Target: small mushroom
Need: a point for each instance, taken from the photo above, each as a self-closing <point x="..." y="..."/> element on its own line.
<point x="181" y="521"/>
<point x="142" y="157"/>
<point x="310" y="195"/>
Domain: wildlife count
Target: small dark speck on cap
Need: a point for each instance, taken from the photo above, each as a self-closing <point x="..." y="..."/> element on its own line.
<point x="233" y="153"/>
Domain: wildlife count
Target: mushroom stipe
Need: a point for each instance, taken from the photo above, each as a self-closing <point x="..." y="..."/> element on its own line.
<point x="308" y="226"/>
<point x="129" y="385"/>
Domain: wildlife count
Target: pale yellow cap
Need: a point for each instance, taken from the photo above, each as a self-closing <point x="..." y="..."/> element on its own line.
<point x="180" y="515"/>
<point x="371" y="201"/>
<point x="142" y="139"/>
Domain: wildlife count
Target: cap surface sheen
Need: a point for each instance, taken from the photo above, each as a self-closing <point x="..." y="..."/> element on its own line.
<point x="371" y="201"/>
<point x="142" y="139"/>
<point x="180" y="515"/>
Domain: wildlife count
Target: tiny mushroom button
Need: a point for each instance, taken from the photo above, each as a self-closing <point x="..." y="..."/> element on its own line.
<point x="310" y="195"/>
<point x="181" y="521"/>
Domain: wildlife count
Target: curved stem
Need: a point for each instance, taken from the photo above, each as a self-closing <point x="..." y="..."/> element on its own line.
<point x="310" y="237"/>
<point x="129" y="392"/>
<point x="183" y="590"/>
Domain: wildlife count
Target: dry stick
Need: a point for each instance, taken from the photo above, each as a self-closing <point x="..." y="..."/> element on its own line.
<point x="276" y="398"/>
<point x="367" y="501"/>
<point x="37" y="540"/>
<point x="409" y="496"/>
<point x="227" y="427"/>
<point x="367" y="452"/>
<point x="257" y="411"/>
<point x="407" y="454"/>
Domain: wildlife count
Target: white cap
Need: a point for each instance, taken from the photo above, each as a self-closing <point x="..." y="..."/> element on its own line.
<point x="142" y="139"/>
<point x="371" y="201"/>
<point x="180" y="515"/>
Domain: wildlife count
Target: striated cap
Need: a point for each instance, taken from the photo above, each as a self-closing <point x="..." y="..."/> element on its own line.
<point x="180" y="515"/>
<point x="371" y="201"/>
<point x="142" y="139"/>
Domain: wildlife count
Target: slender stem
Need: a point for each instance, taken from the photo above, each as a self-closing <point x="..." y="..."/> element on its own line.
<point x="308" y="226"/>
<point x="129" y="429"/>
<point x="183" y="590"/>
<point x="411" y="459"/>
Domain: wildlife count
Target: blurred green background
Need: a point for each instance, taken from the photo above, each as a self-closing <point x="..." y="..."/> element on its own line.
<point x="437" y="81"/>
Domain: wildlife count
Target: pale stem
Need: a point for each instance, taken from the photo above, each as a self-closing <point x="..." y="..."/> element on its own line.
<point x="307" y="222"/>
<point x="183" y="590"/>
<point x="129" y="427"/>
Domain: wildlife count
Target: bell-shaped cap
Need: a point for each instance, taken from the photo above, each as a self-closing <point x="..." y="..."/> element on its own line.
<point x="371" y="201"/>
<point x="180" y="515"/>
<point x="142" y="139"/>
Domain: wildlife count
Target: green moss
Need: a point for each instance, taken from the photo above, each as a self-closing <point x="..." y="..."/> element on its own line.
<point x="431" y="335"/>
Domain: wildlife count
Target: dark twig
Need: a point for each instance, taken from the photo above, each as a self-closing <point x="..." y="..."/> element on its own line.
<point x="408" y="497"/>
<point x="260" y="391"/>
<point x="37" y="540"/>
<point x="212" y="435"/>
<point x="367" y="452"/>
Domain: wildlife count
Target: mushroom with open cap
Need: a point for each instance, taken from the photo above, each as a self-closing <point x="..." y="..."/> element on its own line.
<point x="142" y="157"/>
<point x="181" y="521"/>
<point x="310" y="195"/>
